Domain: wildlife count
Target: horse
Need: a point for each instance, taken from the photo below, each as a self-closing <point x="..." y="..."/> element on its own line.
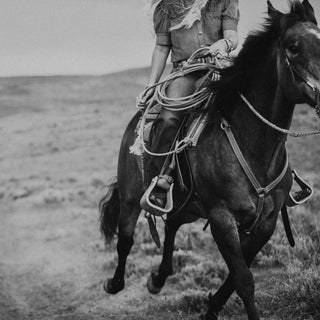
<point x="277" y="68"/>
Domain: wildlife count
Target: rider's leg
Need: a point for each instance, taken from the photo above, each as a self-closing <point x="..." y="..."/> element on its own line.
<point x="166" y="128"/>
<point x="168" y="121"/>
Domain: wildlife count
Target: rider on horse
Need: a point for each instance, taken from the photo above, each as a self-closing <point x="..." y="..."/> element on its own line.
<point x="182" y="27"/>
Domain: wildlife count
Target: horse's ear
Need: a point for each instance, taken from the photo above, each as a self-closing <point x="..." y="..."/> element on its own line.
<point x="309" y="11"/>
<point x="273" y="12"/>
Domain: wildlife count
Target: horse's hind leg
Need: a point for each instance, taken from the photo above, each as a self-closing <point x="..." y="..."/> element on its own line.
<point x="158" y="277"/>
<point x="129" y="213"/>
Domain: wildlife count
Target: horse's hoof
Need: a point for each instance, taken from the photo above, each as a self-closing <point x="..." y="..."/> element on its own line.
<point x="113" y="286"/>
<point x="151" y="287"/>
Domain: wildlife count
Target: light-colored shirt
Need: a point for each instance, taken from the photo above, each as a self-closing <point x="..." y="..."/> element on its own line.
<point x="216" y="17"/>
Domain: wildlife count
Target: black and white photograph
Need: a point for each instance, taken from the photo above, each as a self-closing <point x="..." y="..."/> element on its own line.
<point x="159" y="159"/>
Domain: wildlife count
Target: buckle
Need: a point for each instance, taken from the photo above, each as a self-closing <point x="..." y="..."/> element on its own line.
<point x="225" y="125"/>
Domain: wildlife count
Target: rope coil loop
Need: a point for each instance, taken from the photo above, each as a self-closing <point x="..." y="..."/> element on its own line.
<point x="190" y="101"/>
<point x="182" y="103"/>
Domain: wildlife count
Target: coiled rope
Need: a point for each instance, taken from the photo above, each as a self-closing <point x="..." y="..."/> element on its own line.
<point x="182" y="103"/>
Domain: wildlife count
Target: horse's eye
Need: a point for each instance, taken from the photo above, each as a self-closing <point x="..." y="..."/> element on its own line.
<point x="293" y="48"/>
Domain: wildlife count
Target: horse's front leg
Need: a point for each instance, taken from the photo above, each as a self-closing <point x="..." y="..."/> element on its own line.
<point x="129" y="213"/>
<point x="158" y="277"/>
<point x="225" y="232"/>
<point x="251" y="245"/>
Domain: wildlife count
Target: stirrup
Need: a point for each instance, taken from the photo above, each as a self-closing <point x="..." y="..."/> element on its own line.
<point x="301" y="196"/>
<point x="147" y="205"/>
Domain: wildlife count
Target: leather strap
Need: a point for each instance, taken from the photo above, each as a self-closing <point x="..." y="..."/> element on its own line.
<point x="254" y="181"/>
<point x="153" y="229"/>
<point x="262" y="192"/>
<point x="286" y="224"/>
<point x="182" y="63"/>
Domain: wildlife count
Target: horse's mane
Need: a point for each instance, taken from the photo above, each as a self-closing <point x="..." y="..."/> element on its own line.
<point x="255" y="52"/>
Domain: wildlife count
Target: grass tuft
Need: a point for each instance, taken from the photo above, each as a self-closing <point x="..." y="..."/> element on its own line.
<point x="297" y="294"/>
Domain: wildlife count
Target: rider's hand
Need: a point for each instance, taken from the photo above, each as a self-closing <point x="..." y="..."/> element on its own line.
<point x="145" y="95"/>
<point x="219" y="48"/>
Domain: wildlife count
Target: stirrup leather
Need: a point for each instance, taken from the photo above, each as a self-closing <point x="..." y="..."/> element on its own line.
<point x="148" y="206"/>
<point x="301" y="196"/>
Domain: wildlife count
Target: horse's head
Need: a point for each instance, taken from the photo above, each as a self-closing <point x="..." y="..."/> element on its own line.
<point x="297" y="43"/>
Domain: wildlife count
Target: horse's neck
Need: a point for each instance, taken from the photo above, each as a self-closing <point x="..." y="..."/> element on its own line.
<point x="260" y="140"/>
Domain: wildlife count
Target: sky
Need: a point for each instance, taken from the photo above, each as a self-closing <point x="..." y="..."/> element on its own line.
<point x="49" y="37"/>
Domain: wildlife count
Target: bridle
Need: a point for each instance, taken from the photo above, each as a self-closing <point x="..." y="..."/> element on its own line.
<point x="296" y="74"/>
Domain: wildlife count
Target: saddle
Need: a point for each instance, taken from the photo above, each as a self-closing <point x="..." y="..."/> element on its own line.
<point x="180" y="181"/>
<point x="177" y="162"/>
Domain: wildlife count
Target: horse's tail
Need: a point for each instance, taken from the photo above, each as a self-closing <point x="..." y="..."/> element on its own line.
<point x="109" y="207"/>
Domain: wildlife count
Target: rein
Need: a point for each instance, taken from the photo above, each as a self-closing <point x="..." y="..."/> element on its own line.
<point x="274" y="126"/>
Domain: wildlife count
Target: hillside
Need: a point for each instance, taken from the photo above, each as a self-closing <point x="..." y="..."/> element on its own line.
<point x="59" y="140"/>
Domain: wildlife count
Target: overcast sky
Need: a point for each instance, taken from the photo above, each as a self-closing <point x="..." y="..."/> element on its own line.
<point x="41" y="37"/>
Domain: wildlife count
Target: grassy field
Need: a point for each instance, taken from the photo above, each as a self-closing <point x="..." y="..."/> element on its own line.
<point x="59" y="140"/>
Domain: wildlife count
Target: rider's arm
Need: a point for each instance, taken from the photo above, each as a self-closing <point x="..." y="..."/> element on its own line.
<point x="161" y="50"/>
<point x="229" y="19"/>
<point x="163" y="43"/>
<point x="158" y="62"/>
<point x="232" y="37"/>
<point x="228" y="43"/>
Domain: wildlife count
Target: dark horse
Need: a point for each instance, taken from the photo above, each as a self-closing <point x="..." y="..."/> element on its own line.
<point x="277" y="68"/>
